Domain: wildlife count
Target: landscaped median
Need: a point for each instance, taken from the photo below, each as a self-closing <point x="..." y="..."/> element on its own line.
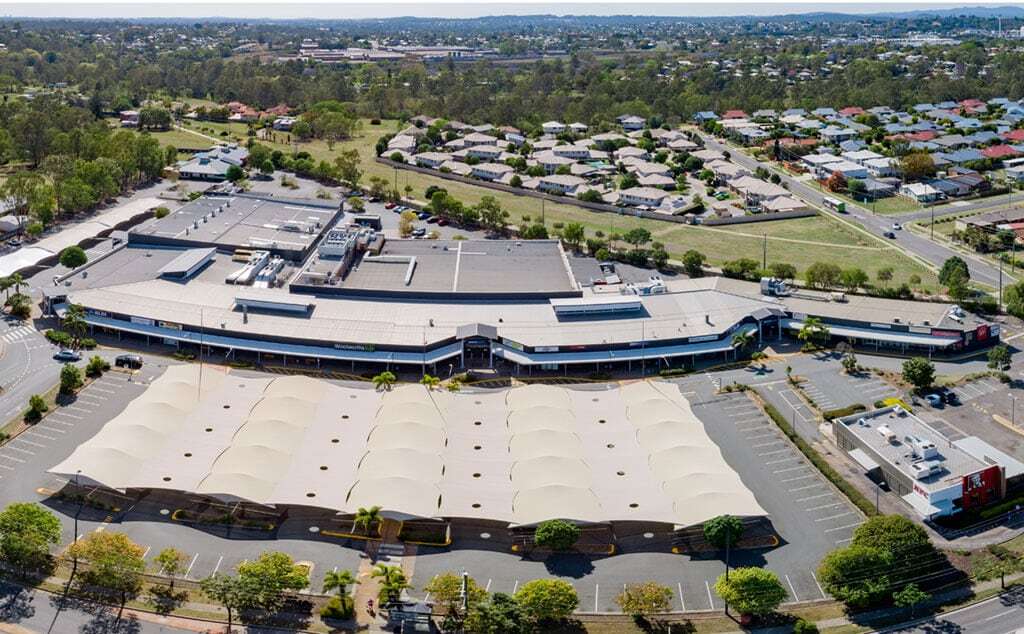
<point x="814" y="457"/>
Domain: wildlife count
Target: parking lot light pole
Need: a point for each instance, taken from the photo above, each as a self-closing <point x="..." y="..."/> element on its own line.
<point x="878" y="490"/>
<point x="1013" y="411"/>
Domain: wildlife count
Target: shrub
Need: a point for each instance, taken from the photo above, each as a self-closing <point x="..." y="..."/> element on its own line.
<point x="556" y="534"/>
<point x="87" y="343"/>
<point x="59" y="337"/>
<point x="843" y="411"/>
<point x="97" y="365"/>
<point x="338" y="608"/>
<point x="161" y="212"/>
<point x="70" y="379"/>
<point x="804" y="627"/>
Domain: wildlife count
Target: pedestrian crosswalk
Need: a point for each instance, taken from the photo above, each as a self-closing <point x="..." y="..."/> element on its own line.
<point x="19" y="333"/>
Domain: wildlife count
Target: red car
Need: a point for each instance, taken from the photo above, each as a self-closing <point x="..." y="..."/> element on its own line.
<point x="390" y="206"/>
<point x="442" y="222"/>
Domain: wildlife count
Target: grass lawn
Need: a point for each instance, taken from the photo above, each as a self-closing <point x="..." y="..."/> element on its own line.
<point x="884" y="206"/>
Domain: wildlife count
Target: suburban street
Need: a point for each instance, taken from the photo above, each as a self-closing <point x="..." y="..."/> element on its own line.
<point x="27" y="366"/>
<point x="912" y="244"/>
<point x="999" y="615"/>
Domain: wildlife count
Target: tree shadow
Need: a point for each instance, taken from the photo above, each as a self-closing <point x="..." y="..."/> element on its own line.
<point x="657" y="625"/>
<point x="15" y="603"/>
<point x="165" y="600"/>
<point x="573" y="565"/>
<point x="106" y="618"/>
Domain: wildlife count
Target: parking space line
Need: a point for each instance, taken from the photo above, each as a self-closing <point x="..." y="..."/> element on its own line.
<point x="711" y="600"/>
<point x="809" y="486"/>
<point x="791" y="588"/>
<point x="682" y="603"/>
<point x="839" y="528"/>
<point x="61" y="412"/>
<point x="78" y="409"/>
<point x="187" y="572"/>
<point x="791" y="458"/>
<point x="31" y="453"/>
<point x="33" y="432"/>
<point x="824" y="506"/>
<point x="788" y="469"/>
<point x="823" y="595"/>
<point x="29" y="442"/>
<point x="773" y="453"/>
<point x="9" y="468"/>
<point x="53" y="429"/>
<point x="814" y="497"/>
<point x="488" y="587"/>
<point x="766" y="444"/>
<point x="515" y="586"/>
<point x="763" y="434"/>
<point x="832" y="517"/>
<point x="221" y="559"/>
<point x="803" y="477"/>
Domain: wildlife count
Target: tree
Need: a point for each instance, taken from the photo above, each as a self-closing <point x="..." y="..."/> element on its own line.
<point x="644" y="599"/>
<point x="1013" y="297"/>
<point x="492" y="216"/>
<point x="347" y="166"/>
<point x="547" y="599"/>
<point x="268" y="577"/>
<point x="693" y="263"/>
<point x="384" y="381"/>
<point x="430" y="382"/>
<point x="500" y="614"/>
<point x="814" y="331"/>
<point x="910" y="597"/>
<point x="853" y="278"/>
<point x="999" y="357"/>
<point x="235" y="173"/>
<point x="836" y="182"/>
<point x="97" y="366"/>
<point x="115" y="563"/>
<point x="919" y="372"/>
<point x="70" y="378"/>
<point x="366" y="517"/>
<point x="27" y="532"/>
<point x="74" y="322"/>
<point x="406" y="223"/>
<point x="917" y="166"/>
<point x="446" y="593"/>
<point x="952" y="268"/>
<point x="884" y="275"/>
<point x="339" y="580"/>
<point x="741" y="269"/>
<point x="171" y="562"/>
<point x="556" y="534"/>
<point x="392" y="582"/>
<point x="36" y="406"/>
<point x="842" y="574"/>
<point x="895" y="535"/>
<point x="753" y="591"/>
<point x="849" y="362"/>
<point x="823" y="275"/>
<point x="741" y="341"/>
<point x="782" y="270"/>
<point x="231" y="592"/>
<point x="637" y="237"/>
<point x="356" y="204"/>
<point x="573" y="235"/>
<point x="723" y="530"/>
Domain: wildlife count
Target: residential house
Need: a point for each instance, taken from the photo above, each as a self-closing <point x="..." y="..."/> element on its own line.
<point x="824" y="113"/>
<point x="550" y="161"/>
<point x="129" y="118"/>
<point x="708" y="155"/>
<point x="213" y="165"/>
<point x="561" y="184"/>
<point x="575" y="152"/>
<point x="734" y="114"/>
<point x="682" y="145"/>
<point x="755" y="192"/>
<point x="479" y="138"/>
<point x="766" y="114"/>
<point x="704" y="116"/>
<point x="725" y="171"/>
<point x="455" y="167"/>
<point x="646" y="168"/>
<point x="817" y="161"/>
<point x="882" y="167"/>
<point x="662" y="181"/>
<point x="491" y="171"/>
<point x="642" y="196"/>
<point x="853" y="145"/>
<point x="284" y="124"/>
<point x="402" y="142"/>
<point x="851" y="111"/>
<point x="784" y="203"/>
<point x="794" y="112"/>
<point x="1000" y="152"/>
<point x="880" y="188"/>
<point x="846" y="168"/>
<point x="971" y="182"/>
<point x="485" y="152"/>
<point x="861" y="156"/>
<point x="578" y="128"/>
<point x="920" y="192"/>
<point x="630" y="151"/>
<point x="515" y="138"/>
<point x="835" y="134"/>
<point x="752" y="136"/>
<point x="433" y="160"/>
<point x="632" y="122"/>
<point x="960" y="157"/>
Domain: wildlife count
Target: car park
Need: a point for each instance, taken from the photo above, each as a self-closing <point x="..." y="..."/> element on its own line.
<point x="130" y="361"/>
<point x="67" y="355"/>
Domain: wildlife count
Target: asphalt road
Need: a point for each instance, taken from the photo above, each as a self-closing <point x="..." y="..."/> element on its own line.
<point x="910" y="243"/>
<point x="1000" y="615"/>
<point x="27" y="366"/>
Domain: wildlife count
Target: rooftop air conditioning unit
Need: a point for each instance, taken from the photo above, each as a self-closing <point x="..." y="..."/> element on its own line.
<point x="888" y="434"/>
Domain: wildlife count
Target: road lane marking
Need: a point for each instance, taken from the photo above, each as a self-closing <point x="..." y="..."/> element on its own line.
<point x="1001" y="615"/>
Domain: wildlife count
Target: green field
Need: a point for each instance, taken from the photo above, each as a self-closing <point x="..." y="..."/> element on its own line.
<point x="800" y="242"/>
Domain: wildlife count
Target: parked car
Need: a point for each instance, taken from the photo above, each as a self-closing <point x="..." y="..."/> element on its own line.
<point x="419" y="232"/>
<point x="433" y="220"/>
<point x="423" y="215"/>
<point x="897" y="226"/>
<point x="131" y="361"/>
<point x="948" y="396"/>
<point x="14" y="242"/>
<point x="933" y="399"/>
<point x="67" y="355"/>
<point x="890" y="235"/>
<point x="442" y="222"/>
<point x="390" y="206"/>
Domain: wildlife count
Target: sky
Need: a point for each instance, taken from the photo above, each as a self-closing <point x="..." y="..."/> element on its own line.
<point x="283" y="9"/>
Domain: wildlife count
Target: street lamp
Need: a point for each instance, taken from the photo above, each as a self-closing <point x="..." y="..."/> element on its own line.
<point x="878" y="490"/>
<point x="1013" y="411"/>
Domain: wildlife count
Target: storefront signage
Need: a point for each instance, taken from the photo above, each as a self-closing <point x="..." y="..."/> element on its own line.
<point x="703" y="338"/>
<point x="885" y="326"/>
<point x="142" y="320"/>
<point x="515" y="345"/>
<point x="364" y="347"/>
<point x="543" y="348"/>
<point x="170" y="325"/>
<point x="945" y="333"/>
<point x="921" y="330"/>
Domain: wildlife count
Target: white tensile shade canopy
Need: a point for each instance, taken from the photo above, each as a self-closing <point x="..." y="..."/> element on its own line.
<point x="524" y="455"/>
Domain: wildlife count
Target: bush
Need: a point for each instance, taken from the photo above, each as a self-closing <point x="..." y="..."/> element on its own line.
<point x="556" y="534"/>
<point x="87" y="343"/>
<point x="59" y="337"/>
<point x="161" y="212"/>
<point x="338" y="608"/>
<point x="70" y="379"/>
<point x="97" y="365"/>
<point x="843" y="411"/>
<point x="804" y="627"/>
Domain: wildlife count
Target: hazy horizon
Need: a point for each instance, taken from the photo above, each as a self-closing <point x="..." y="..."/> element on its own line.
<point x="236" y="9"/>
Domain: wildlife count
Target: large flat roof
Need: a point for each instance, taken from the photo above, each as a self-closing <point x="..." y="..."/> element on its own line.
<point x="522" y="455"/>
<point x="241" y="221"/>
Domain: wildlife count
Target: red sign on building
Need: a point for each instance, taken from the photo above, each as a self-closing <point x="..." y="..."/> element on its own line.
<point x="982" y="487"/>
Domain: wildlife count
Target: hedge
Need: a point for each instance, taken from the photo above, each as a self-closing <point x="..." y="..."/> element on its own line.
<point x="824" y="467"/>
<point x="843" y="411"/>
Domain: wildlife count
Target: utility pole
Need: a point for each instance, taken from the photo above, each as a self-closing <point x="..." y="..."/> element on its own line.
<point x="728" y="541"/>
<point x="764" y="251"/>
<point x="933" y="222"/>
<point x="1001" y="281"/>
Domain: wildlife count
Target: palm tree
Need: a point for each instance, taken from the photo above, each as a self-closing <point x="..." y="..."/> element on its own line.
<point x="813" y="330"/>
<point x="339" y="580"/>
<point x="74" y="323"/>
<point x="430" y="381"/>
<point x="366" y="517"/>
<point x="741" y="341"/>
<point x="385" y="380"/>
<point x="5" y="285"/>
<point x="16" y="281"/>
<point x="392" y="582"/>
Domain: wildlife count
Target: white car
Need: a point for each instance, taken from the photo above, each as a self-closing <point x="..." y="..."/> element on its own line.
<point x="897" y="226"/>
